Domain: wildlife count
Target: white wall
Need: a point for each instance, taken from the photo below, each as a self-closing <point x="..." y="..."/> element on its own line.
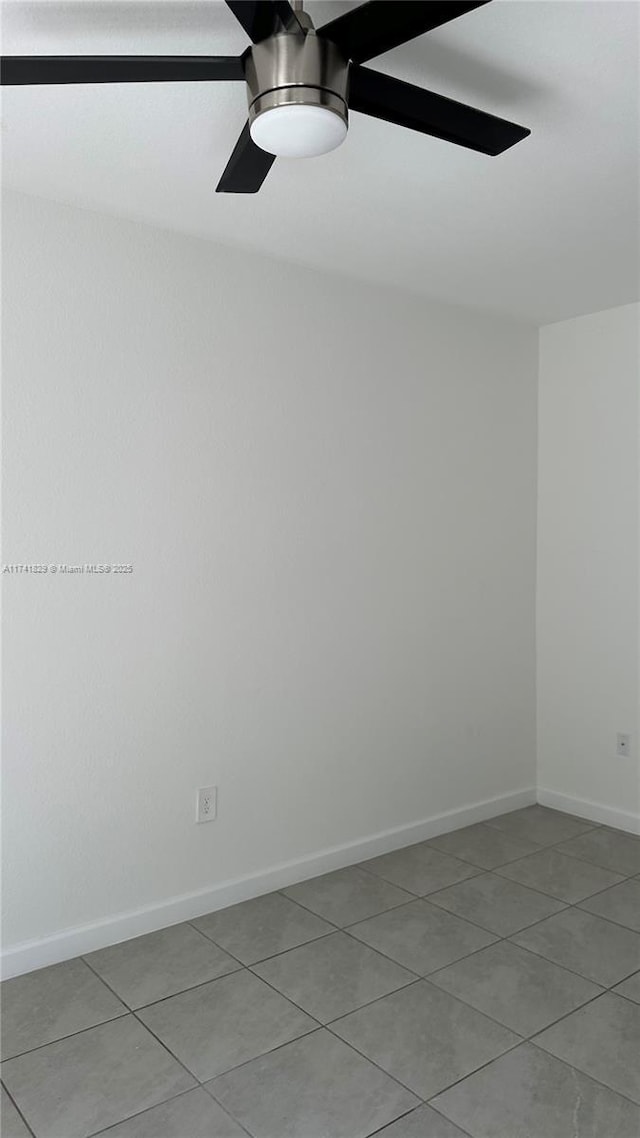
<point x="328" y="495"/>
<point x="588" y="578"/>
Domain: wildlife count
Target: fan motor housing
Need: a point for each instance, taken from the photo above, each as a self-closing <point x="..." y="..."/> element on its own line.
<point x="296" y="69"/>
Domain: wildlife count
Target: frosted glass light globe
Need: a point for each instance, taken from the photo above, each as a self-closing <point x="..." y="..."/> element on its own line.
<point x="298" y="130"/>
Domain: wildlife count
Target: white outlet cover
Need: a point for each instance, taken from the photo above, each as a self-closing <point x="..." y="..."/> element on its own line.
<point x="623" y="744"/>
<point x="206" y="804"/>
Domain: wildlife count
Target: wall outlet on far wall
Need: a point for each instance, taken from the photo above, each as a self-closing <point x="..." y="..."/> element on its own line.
<point x="623" y="744"/>
<point x="206" y="803"/>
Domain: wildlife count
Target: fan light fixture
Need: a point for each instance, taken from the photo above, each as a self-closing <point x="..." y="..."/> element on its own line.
<point x="298" y="130"/>
<point x="297" y="87"/>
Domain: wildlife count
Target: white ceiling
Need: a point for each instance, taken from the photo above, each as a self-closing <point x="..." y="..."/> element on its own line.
<point x="546" y="231"/>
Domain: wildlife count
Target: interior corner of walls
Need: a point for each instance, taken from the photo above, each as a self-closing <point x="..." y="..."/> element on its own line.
<point x="586" y="585"/>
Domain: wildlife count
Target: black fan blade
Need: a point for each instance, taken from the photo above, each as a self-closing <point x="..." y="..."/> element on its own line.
<point x="27" y="69"/>
<point x="263" y="18"/>
<point x="406" y="105"/>
<point x="247" y="167"/>
<point x="379" y="25"/>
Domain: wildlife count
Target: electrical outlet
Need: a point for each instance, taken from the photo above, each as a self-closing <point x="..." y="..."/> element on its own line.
<point x="206" y="803"/>
<point x="623" y="744"/>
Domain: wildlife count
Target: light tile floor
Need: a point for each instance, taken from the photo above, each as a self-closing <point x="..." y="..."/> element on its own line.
<point x="493" y="971"/>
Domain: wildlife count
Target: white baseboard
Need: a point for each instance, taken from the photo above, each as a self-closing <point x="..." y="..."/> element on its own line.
<point x="592" y="811"/>
<point x="24" y="957"/>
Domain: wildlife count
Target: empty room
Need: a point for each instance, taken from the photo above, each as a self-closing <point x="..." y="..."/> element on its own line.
<point x="320" y="569"/>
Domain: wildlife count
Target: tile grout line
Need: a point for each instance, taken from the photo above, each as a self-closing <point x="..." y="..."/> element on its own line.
<point x="250" y="968"/>
<point x="263" y="959"/>
<point x="566" y="1015"/>
<point x="415" y="979"/>
<point x="17" y="1108"/>
<point x="132" y="1011"/>
<point x="548" y="1054"/>
<point x="554" y="849"/>
<point x="599" y="917"/>
<point x="493" y="829"/>
<point x="466" y="1133"/>
<point x="243" y="968"/>
<point x="406" y="1114"/>
<point x="71" y="1035"/>
<point x="607" y="987"/>
<point x="459" y="959"/>
<point x="505" y="940"/>
<point x="426" y="980"/>
<point x="567" y="904"/>
<point x="191" y="1074"/>
<point x="621" y="995"/>
<point x="139" y="1113"/>
<point x="328" y="1025"/>
<point x="319" y="1027"/>
<point x="323" y="1027"/>
<point x="162" y="1102"/>
<point x="368" y="1059"/>
<point x="496" y="870"/>
<point x="380" y="876"/>
<point x="612" y="1090"/>
<point x="539" y="848"/>
<point x="415" y="897"/>
<point x="563" y="967"/>
<point x="531" y="1038"/>
<point x="502" y="936"/>
<point x="418" y="977"/>
<point x="245" y="1129"/>
<point x="532" y="1041"/>
<point x="199" y="1082"/>
<point x="476" y="1071"/>
<point x="414" y="1110"/>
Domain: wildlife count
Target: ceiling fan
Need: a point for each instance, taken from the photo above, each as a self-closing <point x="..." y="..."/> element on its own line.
<point x="301" y="83"/>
